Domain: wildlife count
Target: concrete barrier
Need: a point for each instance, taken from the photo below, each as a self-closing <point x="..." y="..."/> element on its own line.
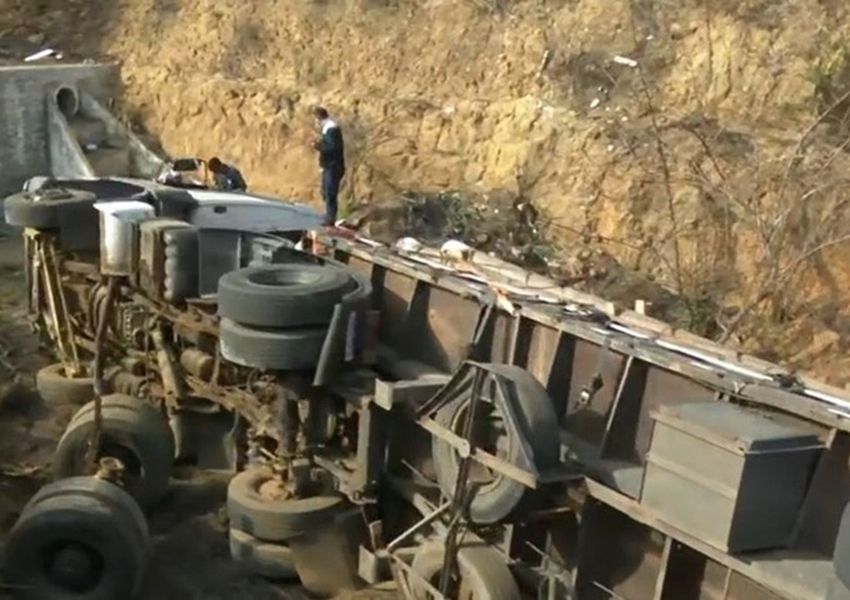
<point x="145" y="163"/>
<point x="66" y="157"/>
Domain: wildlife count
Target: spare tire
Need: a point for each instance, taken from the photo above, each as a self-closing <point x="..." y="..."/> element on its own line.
<point x="50" y="208"/>
<point x="536" y="422"/>
<point x="284" y="295"/>
<point x="276" y="349"/>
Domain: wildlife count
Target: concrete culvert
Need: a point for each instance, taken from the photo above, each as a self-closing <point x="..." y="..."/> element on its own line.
<point x="66" y="99"/>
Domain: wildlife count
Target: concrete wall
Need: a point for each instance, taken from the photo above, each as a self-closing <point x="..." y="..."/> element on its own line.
<point x="66" y="158"/>
<point x="24" y="138"/>
<point x="146" y="164"/>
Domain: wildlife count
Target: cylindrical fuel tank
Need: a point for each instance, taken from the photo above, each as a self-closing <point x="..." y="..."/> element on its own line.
<point x="119" y="221"/>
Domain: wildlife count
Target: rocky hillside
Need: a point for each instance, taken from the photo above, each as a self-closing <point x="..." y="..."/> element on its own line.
<point x="702" y="143"/>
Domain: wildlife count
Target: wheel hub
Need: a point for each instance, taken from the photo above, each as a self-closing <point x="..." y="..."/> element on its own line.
<point x="74" y="568"/>
<point x="274" y="490"/>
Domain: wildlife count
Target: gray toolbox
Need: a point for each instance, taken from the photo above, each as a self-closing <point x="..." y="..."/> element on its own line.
<point x="728" y="476"/>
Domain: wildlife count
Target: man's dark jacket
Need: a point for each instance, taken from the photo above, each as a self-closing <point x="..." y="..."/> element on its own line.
<point x="230" y="179"/>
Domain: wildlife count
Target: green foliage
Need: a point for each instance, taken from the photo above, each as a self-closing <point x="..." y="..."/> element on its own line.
<point x="830" y="76"/>
<point x="501" y="223"/>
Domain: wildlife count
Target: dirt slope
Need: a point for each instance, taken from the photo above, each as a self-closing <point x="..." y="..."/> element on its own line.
<point x="688" y="167"/>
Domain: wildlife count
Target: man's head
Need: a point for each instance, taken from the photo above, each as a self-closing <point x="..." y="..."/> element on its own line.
<point x="215" y="165"/>
<point x="321" y="114"/>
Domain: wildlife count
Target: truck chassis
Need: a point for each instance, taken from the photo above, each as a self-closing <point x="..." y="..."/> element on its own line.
<point x="524" y="425"/>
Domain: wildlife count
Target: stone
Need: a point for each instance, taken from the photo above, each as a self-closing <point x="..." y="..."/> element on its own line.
<point x="677" y="32"/>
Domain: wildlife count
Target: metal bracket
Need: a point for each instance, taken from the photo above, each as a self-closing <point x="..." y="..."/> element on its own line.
<point x="464" y="491"/>
<point x="411" y="392"/>
<point x="588" y="391"/>
<point x="60" y="328"/>
<point x="333" y="352"/>
<point x="486" y="318"/>
<point x="459" y="383"/>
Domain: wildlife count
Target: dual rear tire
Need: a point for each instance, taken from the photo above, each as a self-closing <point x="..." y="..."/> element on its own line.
<point x="80" y="537"/>
<point x="133" y="431"/>
<point x="84" y="537"/>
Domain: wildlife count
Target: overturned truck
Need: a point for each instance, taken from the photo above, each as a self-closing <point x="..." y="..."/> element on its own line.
<point x="464" y="428"/>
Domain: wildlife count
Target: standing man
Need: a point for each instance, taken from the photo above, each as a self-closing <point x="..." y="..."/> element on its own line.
<point x="331" y="160"/>
<point x="227" y="177"/>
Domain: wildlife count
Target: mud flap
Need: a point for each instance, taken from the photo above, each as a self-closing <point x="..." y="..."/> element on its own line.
<point x="343" y="341"/>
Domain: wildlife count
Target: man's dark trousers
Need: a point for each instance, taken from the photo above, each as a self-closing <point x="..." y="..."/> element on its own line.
<point x="331" y="180"/>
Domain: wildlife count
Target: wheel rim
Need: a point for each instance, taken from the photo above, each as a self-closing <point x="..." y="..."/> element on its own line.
<point x="133" y="470"/>
<point x="74" y="567"/>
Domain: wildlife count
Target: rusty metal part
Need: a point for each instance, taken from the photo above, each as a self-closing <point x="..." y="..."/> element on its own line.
<point x="464" y="490"/>
<point x="111" y="469"/>
<point x="198" y="363"/>
<point x="299" y="481"/>
<point x="171" y="381"/>
<point x="238" y="400"/>
<point x="133" y="365"/>
<point x="28" y="271"/>
<point x="425" y="521"/>
<point x="97" y="371"/>
<point x="63" y="316"/>
<point x="290" y="426"/>
<point x="58" y="321"/>
<point x="193" y="319"/>
<point x="128" y="384"/>
<point x="404" y="576"/>
<point x="132" y="321"/>
<point x="93" y="305"/>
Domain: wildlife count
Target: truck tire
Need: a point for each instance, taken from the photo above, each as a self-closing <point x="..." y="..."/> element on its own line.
<point x="283" y="295"/>
<point x="277" y="349"/>
<point x="271" y="561"/>
<point x="484" y="573"/>
<point x="134" y="432"/>
<point x="536" y="421"/>
<point x="56" y="388"/>
<point x="107" y="492"/>
<point x="51" y="208"/>
<point x="266" y="518"/>
<point x="76" y="539"/>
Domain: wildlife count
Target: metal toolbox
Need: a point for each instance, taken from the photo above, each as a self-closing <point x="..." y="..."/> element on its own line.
<point x="728" y="476"/>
